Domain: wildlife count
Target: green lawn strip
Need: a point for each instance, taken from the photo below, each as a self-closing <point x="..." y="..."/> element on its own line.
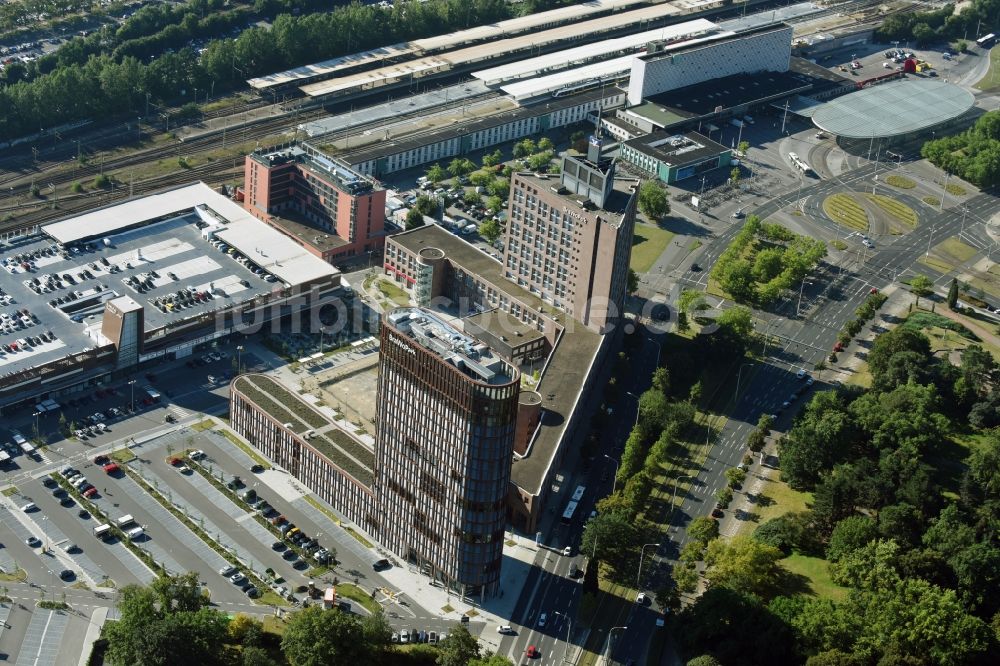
<point x="931" y="201"/>
<point x="10" y="492"/>
<point x="991" y="80"/>
<point x="955" y="189"/>
<point x="246" y="448"/>
<point x="122" y="455"/>
<point x="937" y="264"/>
<point x="345" y="452"/>
<point x="902" y="182"/>
<point x="95" y="511"/>
<point x="920" y="319"/>
<point x="355" y="593"/>
<point x="897" y="210"/>
<point x="845" y="211"/>
<point x="648" y="243"/>
<point x="956" y="248"/>
<point x="207" y="424"/>
<point x="817" y="571"/>
<point x="991" y="287"/>
<point x="393" y="293"/>
<point x="272" y="408"/>
<point x="19" y="576"/>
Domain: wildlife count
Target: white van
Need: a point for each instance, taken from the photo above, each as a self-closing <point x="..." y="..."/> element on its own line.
<point x="134" y="533"/>
<point x="29" y="507"/>
<point x="127" y="519"/>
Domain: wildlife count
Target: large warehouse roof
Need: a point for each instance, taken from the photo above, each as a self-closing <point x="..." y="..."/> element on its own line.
<point x="893" y="108"/>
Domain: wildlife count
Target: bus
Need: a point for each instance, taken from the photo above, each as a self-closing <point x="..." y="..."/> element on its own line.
<point x="568" y="514"/>
<point x="986" y="41"/>
<point x="574" y="502"/>
<point x="799" y="164"/>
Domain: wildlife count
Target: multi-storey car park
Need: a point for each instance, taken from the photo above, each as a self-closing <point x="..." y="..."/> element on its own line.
<point x="96" y="295"/>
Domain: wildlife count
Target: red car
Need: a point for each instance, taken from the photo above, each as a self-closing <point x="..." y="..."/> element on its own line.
<point x="838" y="347"/>
<point x="111" y="468"/>
<point x="532" y="652"/>
<point x="176" y="462"/>
<point x="90" y="492"/>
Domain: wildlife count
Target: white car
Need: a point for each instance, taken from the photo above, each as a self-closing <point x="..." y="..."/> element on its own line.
<point x="641" y="599"/>
<point x="541" y="620"/>
<point x="505" y="629"/>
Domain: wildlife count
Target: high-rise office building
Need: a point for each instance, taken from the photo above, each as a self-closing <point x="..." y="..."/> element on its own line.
<point x="569" y="237"/>
<point x="447" y="408"/>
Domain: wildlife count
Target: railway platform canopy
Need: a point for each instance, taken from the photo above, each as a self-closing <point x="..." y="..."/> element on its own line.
<point x="894" y="109"/>
<point x="569" y="81"/>
<point x="681" y="33"/>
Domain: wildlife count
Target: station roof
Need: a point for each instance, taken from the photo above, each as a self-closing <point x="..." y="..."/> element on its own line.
<point x="285" y="259"/>
<point x="483" y="52"/>
<point x="892" y="109"/>
<point x="439" y="43"/>
<point x="579" y="54"/>
<point x="600" y="71"/>
<point x="677" y="149"/>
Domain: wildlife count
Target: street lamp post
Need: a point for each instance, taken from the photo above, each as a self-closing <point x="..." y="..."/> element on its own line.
<point x="569" y="631"/>
<point x="36" y="415"/>
<point x="607" y="649"/>
<point x="638" y="576"/>
<point x="673" y="496"/>
<point x="239" y="359"/>
<point x="131" y="386"/>
<point x="798" y="306"/>
<point x="739" y="374"/>
<point x="614" y="479"/>
<point x="636" y="424"/>
<point x="767" y="333"/>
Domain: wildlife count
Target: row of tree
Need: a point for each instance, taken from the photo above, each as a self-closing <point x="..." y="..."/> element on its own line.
<point x="940" y="24"/>
<point x="764" y="260"/>
<point x="921" y="561"/>
<point x="171" y="622"/>
<point x="100" y="75"/>
<point x="973" y="155"/>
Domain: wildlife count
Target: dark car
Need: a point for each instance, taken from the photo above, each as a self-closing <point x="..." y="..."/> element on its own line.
<point x="717" y="513"/>
<point x="379" y="565"/>
<point x="102" y="460"/>
<point x="278" y="546"/>
<point x="257" y="469"/>
<point x="695" y="267"/>
<point x="83" y="513"/>
<point x="67" y="574"/>
<point x="48" y="482"/>
<point x="67" y="501"/>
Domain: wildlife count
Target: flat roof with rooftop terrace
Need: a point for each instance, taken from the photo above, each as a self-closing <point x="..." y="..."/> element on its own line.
<point x="473" y="358"/>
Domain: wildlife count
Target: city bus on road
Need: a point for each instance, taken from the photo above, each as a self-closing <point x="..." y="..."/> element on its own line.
<point x="986" y="41"/>
<point x="574" y="502"/>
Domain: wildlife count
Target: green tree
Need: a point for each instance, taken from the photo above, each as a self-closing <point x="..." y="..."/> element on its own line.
<point x="435" y="173"/>
<point x="256" y="656"/>
<point x="545" y="144"/>
<point x="494" y="204"/>
<point x="661" y="380"/>
<point x="850" y="534"/>
<point x="743" y="564"/>
<point x="704" y="660"/>
<point x="524" y="148"/>
<point x="179" y="593"/>
<point x="735" y="477"/>
<point x="691" y="300"/>
<point x="953" y="293"/>
<point x="653" y="200"/>
<point x="756" y="440"/>
<point x="318" y="637"/>
<point x="414" y="219"/>
<point x="724" y="496"/>
<point x="458" y="648"/>
<point x="734" y="175"/>
<point x="500" y="188"/>
<point x="493" y="159"/>
<point x="481" y="178"/>
<point x="472" y="198"/>
<point x="703" y="529"/>
<point x="685" y="578"/>
<point x="633" y="282"/>
<point x="377" y="634"/>
<point x="491" y="660"/>
<point x="743" y="147"/>
<point x="490" y="230"/>
<point x="612" y="534"/>
<point x="242" y="625"/>
<point x="921" y="285"/>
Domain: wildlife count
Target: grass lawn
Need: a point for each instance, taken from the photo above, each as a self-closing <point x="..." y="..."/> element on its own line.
<point x="19" y="576"/>
<point x="648" y="244"/>
<point x="991" y="80"/>
<point x="123" y="455"/>
<point x="815" y="569"/>
<point x="896" y="210"/>
<point x="936" y="263"/>
<point x="931" y="201"/>
<point x="845" y="211"/>
<point x="10" y="492"/>
<point x="957" y="249"/>
<point x="355" y="593"/>
<point x="780" y="499"/>
<point x="861" y="377"/>
<point x="991" y="287"/>
<point x="957" y="190"/>
<point x="902" y="182"/>
<point x="207" y="424"/>
<point x="393" y="293"/>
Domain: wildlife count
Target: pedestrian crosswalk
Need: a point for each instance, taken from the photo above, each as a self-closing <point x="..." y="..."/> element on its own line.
<point x="179" y="412"/>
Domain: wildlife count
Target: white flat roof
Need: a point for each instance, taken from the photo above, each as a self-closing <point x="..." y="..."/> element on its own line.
<point x="332" y="65"/>
<point x="566" y="57"/>
<point x="490" y="50"/>
<point x="286" y="259"/>
<point x="529" y="88"/>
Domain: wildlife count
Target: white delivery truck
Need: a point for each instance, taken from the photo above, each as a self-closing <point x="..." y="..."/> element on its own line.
<point x="102" y="532"/>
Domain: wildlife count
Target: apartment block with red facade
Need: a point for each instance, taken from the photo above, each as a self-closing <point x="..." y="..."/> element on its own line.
<point x="332" y="211"/>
